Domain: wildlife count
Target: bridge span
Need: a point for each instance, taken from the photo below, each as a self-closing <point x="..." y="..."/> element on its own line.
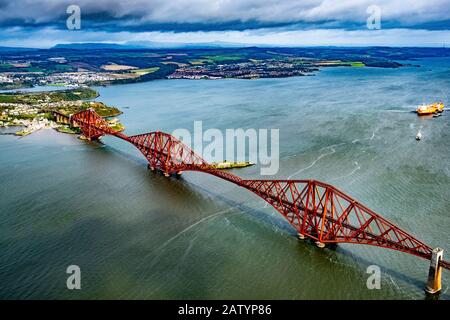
<point x="317" y="210"/>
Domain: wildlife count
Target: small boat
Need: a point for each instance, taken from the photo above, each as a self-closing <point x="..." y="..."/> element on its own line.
<point x="437" y="115"/>
<point x="419" y="136"/>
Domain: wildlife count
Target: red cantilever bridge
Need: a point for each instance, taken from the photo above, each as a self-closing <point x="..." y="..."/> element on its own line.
<point x="315" y="209"/>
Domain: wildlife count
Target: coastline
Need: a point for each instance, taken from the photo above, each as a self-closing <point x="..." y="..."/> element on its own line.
<point x="33" y="111"/>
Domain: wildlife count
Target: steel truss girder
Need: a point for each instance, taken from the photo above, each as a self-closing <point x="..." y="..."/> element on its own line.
<point x="315" y="209"/>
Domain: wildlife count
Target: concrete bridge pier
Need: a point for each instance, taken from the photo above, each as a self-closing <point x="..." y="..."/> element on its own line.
<point x="320" y="244"/>
<point x="434" y="275"/>
<point x="301" y="236"/>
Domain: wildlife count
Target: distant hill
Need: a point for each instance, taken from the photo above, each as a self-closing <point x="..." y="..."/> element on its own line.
<point x="11" y="49"/>
<point x="182" y="45"/>
<point x="148" y="45"/>
<point x="94" y="45"/>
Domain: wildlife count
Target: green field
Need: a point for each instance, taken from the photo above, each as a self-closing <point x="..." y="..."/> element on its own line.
<point x="142" y="72"/>
<point x="68" y="130"/>
<point x="6" y="66"/>
<point x="117" y="127"/>
<point x="102" y="109"/>
<point x="222" y="58"/>
<point x="199" y="62"/>
<point x="51" y="96"/>
<point x="62" y="68"/>
<point x="357" y="64"/>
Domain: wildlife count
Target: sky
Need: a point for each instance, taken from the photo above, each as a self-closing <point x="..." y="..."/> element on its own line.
<point x="42" y="24"/>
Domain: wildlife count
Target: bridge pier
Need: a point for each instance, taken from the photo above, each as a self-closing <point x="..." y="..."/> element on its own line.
<point x="301" y="236"/>
<point x="320" y="244"/>
<point x="434" y="274"/>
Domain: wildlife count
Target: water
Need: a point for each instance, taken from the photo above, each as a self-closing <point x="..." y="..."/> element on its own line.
<point x="136" y="234"/>
<point x="37" y="89"/>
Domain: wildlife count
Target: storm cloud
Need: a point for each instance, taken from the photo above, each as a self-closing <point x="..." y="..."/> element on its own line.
<point x="210" y="15"/>
<point x="41" y="23"/>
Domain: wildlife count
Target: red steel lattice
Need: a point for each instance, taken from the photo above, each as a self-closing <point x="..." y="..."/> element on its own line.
<point x="315" y="209"/>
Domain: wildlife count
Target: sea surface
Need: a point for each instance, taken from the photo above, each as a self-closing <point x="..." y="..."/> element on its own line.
<point x="138" y="235"/>
<point x="38" y="89"/>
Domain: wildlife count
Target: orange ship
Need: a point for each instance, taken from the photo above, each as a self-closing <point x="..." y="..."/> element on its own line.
<point x="430" y="108"/>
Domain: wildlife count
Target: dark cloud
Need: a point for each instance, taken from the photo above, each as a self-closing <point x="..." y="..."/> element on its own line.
<point x="208" y="15"/>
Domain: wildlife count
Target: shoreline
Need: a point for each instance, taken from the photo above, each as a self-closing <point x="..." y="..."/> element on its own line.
<point x="32" y="111"/>
<point x="311" y="72"/>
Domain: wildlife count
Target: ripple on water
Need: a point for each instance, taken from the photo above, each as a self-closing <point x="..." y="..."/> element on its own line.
<point x="139" y="235"/>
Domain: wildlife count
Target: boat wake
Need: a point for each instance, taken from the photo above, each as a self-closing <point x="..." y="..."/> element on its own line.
<point x="349" y="174"/>
<point x="397" y="111"/>
<point x="333" y="150"/>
